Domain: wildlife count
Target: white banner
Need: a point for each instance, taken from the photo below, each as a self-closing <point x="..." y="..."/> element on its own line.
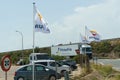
<point x="40" y="24"/>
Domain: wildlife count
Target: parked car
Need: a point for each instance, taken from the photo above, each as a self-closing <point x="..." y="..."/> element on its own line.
<point x="70" y="63"/>
<point x="41" y="73"/>
<point x="52" y="64"/>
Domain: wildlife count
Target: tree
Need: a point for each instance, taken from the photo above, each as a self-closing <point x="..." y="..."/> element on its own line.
<point x="37" y="50"/>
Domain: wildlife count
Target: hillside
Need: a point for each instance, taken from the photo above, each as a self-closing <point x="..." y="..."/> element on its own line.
<point x="109" y="48"/>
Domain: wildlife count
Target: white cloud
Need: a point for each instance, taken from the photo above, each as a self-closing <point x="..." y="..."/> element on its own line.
<point x="104" y="18"/>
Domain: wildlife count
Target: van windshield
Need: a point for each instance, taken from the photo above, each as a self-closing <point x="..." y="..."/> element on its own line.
<point x="87" y="49"/>
<point x="41" y="57"/>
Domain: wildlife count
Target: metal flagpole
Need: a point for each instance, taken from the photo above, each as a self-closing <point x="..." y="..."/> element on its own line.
<point x="33" y="76"/>
<point x="33" y="26"/>
<point x="81" y="60"/>
<point x="85" y="49"/>
<point x="79" y="49"/>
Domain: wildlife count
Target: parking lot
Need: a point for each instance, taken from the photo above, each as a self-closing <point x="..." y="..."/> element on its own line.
<point x="10" y="73"/>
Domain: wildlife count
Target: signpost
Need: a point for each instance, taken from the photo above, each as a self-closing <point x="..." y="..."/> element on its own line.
<point x="6" y="64"/>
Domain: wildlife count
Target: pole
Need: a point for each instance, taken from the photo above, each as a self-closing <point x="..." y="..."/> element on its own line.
<point x="87" y="64"/>
<point x="33" y="39"/>
<point x="81" y="56"/>
<point x="22" y="43"/>
<point x="85" y="50"/>
<point x="5" y="75"/>
<point x="33" y="26"/>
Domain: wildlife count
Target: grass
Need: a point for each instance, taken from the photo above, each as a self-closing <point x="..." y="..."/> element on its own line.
<point x="104" y="70"/>
<point x="99" y="72"/>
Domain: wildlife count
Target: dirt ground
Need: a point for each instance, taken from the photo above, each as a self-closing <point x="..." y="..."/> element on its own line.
<point x="10" y="73"/>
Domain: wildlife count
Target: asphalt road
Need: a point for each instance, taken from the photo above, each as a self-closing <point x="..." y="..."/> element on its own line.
<point x="115" y="63"/>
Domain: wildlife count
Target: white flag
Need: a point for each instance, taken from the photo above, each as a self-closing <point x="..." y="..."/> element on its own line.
<point x="92" y="35"/>
<point x="83" y="39"/>
<point x="40" y="24"/>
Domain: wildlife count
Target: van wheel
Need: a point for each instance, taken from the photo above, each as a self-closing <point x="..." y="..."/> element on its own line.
<point x="52" y="78"/>
<point x="20" y="78"/>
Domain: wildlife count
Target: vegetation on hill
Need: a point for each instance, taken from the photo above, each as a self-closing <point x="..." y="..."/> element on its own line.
<point x="107" y="48"/>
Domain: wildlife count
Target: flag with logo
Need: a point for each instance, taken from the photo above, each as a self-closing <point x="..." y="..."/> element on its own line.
<point x="40" y="24"/>
<point x="92" y="35"/>
<point x="83" y="39"/>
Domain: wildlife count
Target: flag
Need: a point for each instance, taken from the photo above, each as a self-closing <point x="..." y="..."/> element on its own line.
<point x="92" y="35"/>
<point x="40" y="24"/>
<point x="83" y="39"/>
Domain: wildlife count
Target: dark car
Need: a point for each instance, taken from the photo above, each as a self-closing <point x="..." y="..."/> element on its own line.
<point x="70" y="63"/>
<point x="41" y="73"/>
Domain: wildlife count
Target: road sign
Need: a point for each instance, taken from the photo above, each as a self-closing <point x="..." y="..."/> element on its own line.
<point x="5" y="63"/>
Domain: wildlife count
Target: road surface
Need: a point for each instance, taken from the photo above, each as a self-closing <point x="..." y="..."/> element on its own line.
<point x="115" y="63"/>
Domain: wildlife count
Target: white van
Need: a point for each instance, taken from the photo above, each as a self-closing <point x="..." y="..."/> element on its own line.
<point x="38" y="56"/>
<point x="52" y="64"/>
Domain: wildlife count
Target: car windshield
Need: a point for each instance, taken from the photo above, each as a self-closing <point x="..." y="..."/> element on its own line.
<point x="43" y="63"/>
<point x="54" y="64"/>
<point x="26" y="68"/>
<point x="30" y="68"/>
<point x="39" y="68"/>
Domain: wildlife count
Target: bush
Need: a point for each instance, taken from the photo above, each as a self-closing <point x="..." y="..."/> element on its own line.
<point x="104" y="70"/>
<point x="58" y="57"/>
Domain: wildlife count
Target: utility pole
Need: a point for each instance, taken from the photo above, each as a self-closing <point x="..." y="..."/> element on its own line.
<point x="22" y="44"/>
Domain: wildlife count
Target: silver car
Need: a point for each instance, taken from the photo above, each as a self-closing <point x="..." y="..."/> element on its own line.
<point x="52" y="64"/>
<point x="41" y="73"/>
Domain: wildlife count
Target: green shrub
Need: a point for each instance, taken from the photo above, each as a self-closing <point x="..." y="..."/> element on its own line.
<point x="58" y="57"/>
<point x="104" y="70"/>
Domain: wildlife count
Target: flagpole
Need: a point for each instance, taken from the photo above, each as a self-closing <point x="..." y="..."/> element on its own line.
<point x="33" y="27"/>
<point x="85" y="49"/>
<point x="33" y="39"/>
<point x="85" y="31"/>
<point x="81" y="53"/>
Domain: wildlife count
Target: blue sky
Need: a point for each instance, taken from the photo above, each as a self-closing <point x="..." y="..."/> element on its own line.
<point x="66" y="18"/>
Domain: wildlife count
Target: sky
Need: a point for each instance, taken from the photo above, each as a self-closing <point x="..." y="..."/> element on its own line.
<point x="66" y="18"/>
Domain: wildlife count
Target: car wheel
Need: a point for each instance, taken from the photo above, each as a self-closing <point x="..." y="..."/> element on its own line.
<point x="72" y="68"/>
<point x="62" y="73"/>
<point x="52" y="78"/>
<point x="20" y="78"/>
